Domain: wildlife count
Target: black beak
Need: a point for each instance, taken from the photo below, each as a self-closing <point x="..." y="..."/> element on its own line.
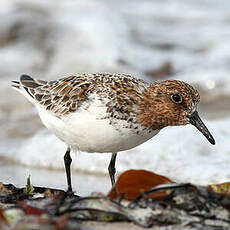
<point x="195" y="120"/>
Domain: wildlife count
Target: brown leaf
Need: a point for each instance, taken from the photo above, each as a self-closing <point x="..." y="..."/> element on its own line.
<point x="223" y="188"/>
<point x="4" y="190"/>
<point x="30" y="210"/>
<point x="2" y="217"/>
<point x="133" y="183"/>
<point x="62" y="222"/>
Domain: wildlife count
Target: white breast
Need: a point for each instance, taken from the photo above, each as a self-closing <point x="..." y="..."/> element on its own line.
<point x="85" y="130"/>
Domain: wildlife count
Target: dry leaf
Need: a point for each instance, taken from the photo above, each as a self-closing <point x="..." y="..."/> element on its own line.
<point x="223" y="188"/>
<point x="133" y="183"/>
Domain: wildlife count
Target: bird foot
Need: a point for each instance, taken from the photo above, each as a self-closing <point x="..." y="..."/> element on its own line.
<point x="70" y="194"/>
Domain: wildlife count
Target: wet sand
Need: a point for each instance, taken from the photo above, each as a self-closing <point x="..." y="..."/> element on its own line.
<point x="83" y="183"/>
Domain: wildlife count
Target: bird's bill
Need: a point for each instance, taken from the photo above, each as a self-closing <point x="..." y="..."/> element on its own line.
<point x="195" y="120"/>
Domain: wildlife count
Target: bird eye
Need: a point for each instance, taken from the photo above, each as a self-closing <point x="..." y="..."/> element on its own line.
<point x="176" y="98"/>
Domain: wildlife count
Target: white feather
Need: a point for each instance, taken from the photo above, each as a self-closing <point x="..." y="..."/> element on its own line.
<point x="85" y="130"/>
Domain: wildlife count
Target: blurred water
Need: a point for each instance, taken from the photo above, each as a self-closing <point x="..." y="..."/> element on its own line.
<point x="50" y="39"/>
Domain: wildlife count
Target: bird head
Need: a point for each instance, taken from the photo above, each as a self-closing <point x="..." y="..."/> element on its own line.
<point x="171" y="103"/>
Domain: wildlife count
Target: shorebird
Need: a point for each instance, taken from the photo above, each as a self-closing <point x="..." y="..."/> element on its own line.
<point x="109" y="113"/>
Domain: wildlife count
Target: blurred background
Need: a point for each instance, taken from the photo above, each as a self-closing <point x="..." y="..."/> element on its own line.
<point x="150" y="39"/>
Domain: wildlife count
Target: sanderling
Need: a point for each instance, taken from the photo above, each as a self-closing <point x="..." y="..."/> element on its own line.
<point x="110" y="112"/>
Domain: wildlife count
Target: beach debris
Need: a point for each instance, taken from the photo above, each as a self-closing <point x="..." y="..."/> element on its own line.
<point x="133" y="183"/>
<point x="153" y="200"/>
<point x="223" y="188"/>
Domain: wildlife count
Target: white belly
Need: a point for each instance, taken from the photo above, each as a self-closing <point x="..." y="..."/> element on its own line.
<point x="84" y="131"/>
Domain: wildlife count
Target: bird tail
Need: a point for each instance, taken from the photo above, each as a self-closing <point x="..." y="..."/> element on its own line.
<point x="27" y="85"/>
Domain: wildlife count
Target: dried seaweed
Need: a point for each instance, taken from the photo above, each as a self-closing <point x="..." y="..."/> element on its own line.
<point x="182" y="206"/>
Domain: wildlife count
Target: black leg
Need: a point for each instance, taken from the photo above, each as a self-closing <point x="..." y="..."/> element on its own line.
<point x="68" y="160"/>
<point x="112" y="169"/>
